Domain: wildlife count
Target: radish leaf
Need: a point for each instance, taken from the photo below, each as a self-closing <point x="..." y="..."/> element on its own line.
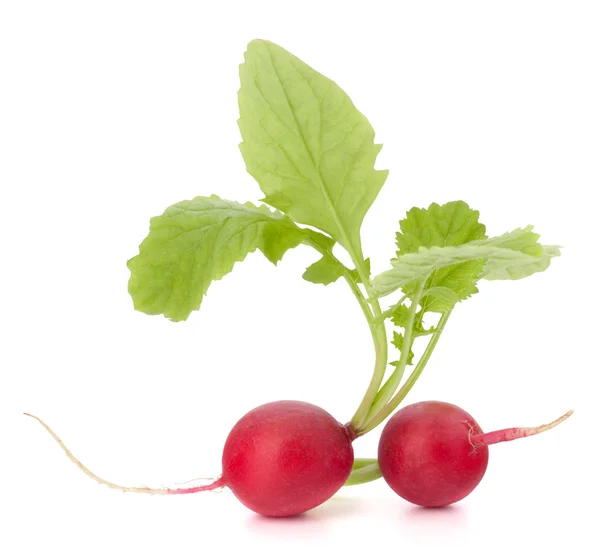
<point x="309" y="148"/>
<point x="398" y="342"/>
<point x="327" y="269"/>
<point x="198" y="241"/>
<point x="450" y="224"/>
<point x="514" y="255"/>
<point x="400" y="318"/>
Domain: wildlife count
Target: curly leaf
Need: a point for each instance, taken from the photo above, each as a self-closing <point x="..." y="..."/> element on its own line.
<point x="198" y="241"/>
<point x="446" y="225"/>
<point x="514" y="255"/>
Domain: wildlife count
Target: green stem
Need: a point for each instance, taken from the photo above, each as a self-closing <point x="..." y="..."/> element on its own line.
<point x="364" y="305"/>
<point x="363" y="471"/>
<point x="390" y="386"/>
<point x="390" y="311"/>
<point x="372" y="312"/>
<point x="378" y="333"/>
<point x="410" y="382"/>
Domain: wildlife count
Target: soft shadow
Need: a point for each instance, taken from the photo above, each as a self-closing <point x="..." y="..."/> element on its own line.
<point x="293" y="527"/>
<point x="337" y="508"/>
<point x="314" y="523"/>
<point x="450" y="517"/>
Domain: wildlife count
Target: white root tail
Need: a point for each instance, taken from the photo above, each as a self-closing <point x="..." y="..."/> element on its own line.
<point x="219" y="483"/>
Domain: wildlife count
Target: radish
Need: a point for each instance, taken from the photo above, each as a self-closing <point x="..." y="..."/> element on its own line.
<point x="287" y="457"/>
<point x="434" y="453"/>
<point x="313" y="155"/>
<point x="280" y="459"/>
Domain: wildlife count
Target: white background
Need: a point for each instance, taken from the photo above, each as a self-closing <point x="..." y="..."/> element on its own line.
<point x="113" y="110"/>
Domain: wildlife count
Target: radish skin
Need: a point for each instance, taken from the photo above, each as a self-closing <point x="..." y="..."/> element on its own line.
<point x="284" y="458"/>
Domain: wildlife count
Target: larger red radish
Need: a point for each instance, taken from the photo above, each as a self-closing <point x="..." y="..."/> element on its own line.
<point x="280" y="459"/>
<point x="287" y="457"/>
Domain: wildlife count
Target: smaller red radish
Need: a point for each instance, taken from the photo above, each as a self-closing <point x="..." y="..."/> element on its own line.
<point x="434" y="453"/>
<point x="280" y="459"/>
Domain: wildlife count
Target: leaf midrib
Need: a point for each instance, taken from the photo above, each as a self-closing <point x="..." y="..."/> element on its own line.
<point x="322" y="188"/>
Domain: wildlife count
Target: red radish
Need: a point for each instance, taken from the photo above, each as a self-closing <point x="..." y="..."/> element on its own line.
<point x="287" y="457"/>
<point x="280" y="459"/>
<point x="434" y="453"/>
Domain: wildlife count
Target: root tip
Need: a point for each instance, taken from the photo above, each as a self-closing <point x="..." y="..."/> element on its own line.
<point x="561" y="419"/>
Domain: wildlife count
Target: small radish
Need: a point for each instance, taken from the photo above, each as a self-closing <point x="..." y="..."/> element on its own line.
<point x="280" y="459"/>
<point x="434" y="453"/>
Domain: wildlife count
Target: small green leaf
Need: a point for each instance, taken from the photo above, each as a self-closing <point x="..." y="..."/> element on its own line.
<point x="447" y="225"/>
<point x="400" y="318"/>
<point x="514" y="255"/>
<point x="325" y="271"/>
<point x="328" y="268"/>
<point x="198" y="241"/>
<point x="311" y="151"/>
<point x="398" y="342"/>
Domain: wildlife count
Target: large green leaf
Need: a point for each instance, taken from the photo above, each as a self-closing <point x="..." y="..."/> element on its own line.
<point x="311" y="151"/>
<point x="198" y="241"/>
<point x="514" y="255"/>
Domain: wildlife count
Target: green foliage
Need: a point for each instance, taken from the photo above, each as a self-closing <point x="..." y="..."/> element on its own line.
<point x="311" y="151"/>
<point x="196" y="242"/>
<point x="313" y="155"/>
<point x="450" y="224"/>
<point x="398" y="342"/>
<point x="326" y="270"/>
<point x="514" y="255"/>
